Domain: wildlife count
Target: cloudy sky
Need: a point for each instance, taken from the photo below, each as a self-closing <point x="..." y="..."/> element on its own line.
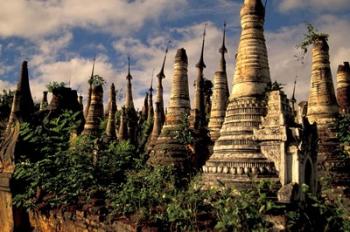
<point x="59" y="38"/>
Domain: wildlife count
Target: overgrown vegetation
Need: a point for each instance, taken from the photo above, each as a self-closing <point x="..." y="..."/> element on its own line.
<point x="56" y="172"/>
<point x="97" y="80"/>
<point x="310" y="37"/>
<point x="52" y="86"/>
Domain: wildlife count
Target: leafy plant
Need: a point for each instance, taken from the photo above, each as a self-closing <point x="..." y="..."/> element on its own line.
<point x="310" y="37"/>
<point x="184" y="134"/>
<point x="97" y="80"/>
<point x="55" y="85"/>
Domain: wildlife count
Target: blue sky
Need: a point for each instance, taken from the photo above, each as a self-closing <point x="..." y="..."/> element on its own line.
<point x="59" y="38"/>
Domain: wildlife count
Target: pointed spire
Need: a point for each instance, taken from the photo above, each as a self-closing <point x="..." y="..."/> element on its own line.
<point x="220" y="95"/>
<point x="129" y="77"/>
<point x="223" y="48"/>
<point x="90" y="89"/>
<point x="150" y="102"/>
<point x="93" y="68"/>
<point x="201" y="63"/>
<point x="161" y="73"/>
<point x="199" y="118"/>
<point x="293" y="100"/>
<point x="160" y="76"/>
<point x="129" y="102"/>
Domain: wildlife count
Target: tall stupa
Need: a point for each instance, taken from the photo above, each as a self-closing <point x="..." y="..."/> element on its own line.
<point x="237" y="156"/>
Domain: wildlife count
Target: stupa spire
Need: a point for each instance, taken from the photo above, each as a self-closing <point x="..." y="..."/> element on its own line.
<point x="199" y="107"/>
<point x="88" y="102"/>
<point x="129" y="103"/>
<point x="160" y="77"/>
<point x="220" y="94"/>
<point x="150" y="102"/>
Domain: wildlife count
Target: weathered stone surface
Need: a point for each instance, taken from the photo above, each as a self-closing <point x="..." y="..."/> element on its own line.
<point x="220" y="96"/>
<point x="322" y="103"/>
<point x="237" y="155"/>
<point x="292" y="147"/>
<point x="111" y="128"/>
<point x="323" y="109"/>
<point x="168" y="150"/>
<point x="343" y="88"/>
<point x="157" y="127"/>
<point x="95" y="115"/>
<point x="123" y="128"/>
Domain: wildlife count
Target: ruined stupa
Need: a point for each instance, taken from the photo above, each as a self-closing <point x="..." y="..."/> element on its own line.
<point x="22" y="105"/>
<point x="44" y="103"/>
<point x="110" y="128"/>
<point x="159" y="97"/>
<point x="199" y="103"/>
<point x="157" y="127"/>
<point x="130" y="112"/>
<point x="322" y="102"/>
<point x="144" y="111"/>
<point x="95" y="114"/>
<point x="323" y="109"/>
<point x="169" y="150"/>
<point x="237" y="155"/>
<point x="343" y="88"/>
<point x="123" y="128"/>
<point x="220" y="95"/>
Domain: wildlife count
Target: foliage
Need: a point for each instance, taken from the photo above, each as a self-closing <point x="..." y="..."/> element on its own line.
<point x="97" y="80"/>
<point x="343" y="129"/>
<point x="184" y="134"/>
<point x="52" y="86"/>
<point x="317" y="214"/>
<point x="310" y="37"/>
<point x="53" y="173"/>
<point x="274" y="86"/>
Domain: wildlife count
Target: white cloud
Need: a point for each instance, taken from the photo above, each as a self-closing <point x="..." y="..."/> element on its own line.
<point x="313" y="5"/>
<point x="36" y="18"/>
